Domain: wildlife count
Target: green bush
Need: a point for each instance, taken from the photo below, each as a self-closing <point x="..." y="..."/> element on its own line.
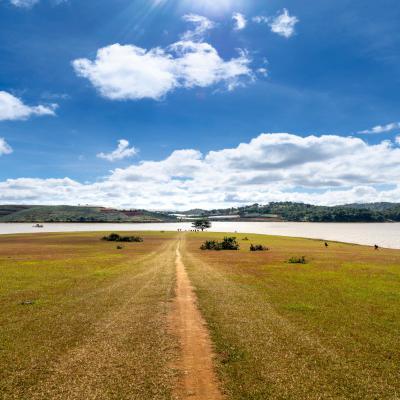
<point x="258" y="247"/>
<point x="210" y="245"/>
<point x="229" y="243"/>
<point x="114" y="237"/>
<point x="297" y="260"/>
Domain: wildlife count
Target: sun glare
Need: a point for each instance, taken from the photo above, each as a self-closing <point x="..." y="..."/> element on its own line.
<point x="211" y="6"/>
<point x="208" y="7"/>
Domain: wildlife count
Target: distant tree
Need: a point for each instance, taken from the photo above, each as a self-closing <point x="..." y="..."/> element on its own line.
<point x="202" y="224"/>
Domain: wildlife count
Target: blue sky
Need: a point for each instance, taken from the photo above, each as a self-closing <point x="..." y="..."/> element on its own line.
<point x="161" y="104"/>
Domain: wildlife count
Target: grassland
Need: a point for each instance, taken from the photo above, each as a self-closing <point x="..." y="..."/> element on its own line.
<point x="80" y="319"/>
<point x="97" y="328"/>
<point x="328" y="329"/>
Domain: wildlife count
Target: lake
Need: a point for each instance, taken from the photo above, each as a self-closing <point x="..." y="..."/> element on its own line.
<point x="384" y="234"/>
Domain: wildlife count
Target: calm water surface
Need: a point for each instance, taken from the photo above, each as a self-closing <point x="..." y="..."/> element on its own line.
<point x="385" y="235"/>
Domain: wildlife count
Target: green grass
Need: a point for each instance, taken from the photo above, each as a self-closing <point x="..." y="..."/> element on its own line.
<point x="98" y="324"/>
<point x="328" y="329"/>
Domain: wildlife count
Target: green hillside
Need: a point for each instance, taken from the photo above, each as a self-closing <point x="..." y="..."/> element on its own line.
<point x="12" y="213"/>
<point x="288" y="211"/>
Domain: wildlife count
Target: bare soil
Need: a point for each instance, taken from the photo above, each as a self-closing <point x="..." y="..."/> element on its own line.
<point x="197" y="379"/>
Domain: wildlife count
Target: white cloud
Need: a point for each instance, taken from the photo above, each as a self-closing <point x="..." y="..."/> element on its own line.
<point x="284" y="24"/>
<point x="5" y="148"/>
<point x="24" y="3"/>
<point x="398" y="140"/>
<point x="12" y="108"/>
<point x="240" y="21"/>
<point x="260" y="19"/>
<point x="328" y="170"/>
<point x="128" y="72"/>
<point x="201" y="26"/>
<point x="122" y="151"/>
<point x="31" y="3"/>
<point x="381" y="128"/>
<point x="262" y="71"/>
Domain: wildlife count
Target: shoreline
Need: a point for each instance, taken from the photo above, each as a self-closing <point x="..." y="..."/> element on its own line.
<point x="367" y="234"/>
<point x="211" y="220"/>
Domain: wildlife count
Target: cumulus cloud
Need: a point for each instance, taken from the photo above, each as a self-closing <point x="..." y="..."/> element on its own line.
<point x="397" y="140"/>
<point x="284" y="24"/>
<point x="240" y="21"/>
<point x="381" y="128"/>
<point x="201" y="26"/>
<point x="12" y="108"/>
<point x="327" y="169"/>
<point x="122" y="151"/>
<point x="128" y="72"/>
<point x="5" y="148"/>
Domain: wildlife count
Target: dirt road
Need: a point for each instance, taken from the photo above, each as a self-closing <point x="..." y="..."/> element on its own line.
<point x="198" y="380"/>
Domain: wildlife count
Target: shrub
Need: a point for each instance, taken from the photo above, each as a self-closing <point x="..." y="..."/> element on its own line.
<point x="258" y="247"/>
<point x="119" y="247"/>
<point x="210" y="245"/>
<point x="114" y="237"/>
<point x="297" y="260"/>
<point x="245" y="238"/>
<point x="229" y="243"/>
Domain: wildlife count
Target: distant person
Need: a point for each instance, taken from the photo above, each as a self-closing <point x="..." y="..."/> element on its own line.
<point x="376" y="247"/>
<point x="326" y="244"/>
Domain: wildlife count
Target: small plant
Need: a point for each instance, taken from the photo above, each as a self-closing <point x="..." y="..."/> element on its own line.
<point x="297" y="260"/>
<point x="245" y="238"/>
<point x="258" y="247"/>
<point x="119" y="247"/>
<point x="229" y="243"/>
<point x="27" y="303"/>
<point x="114" y="237"/>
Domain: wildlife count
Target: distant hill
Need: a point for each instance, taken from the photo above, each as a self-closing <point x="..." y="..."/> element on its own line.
<point x="194" y="211"/>
<point x="373" y="206"/>
<point x="288" y="211"/>
<point x="279" y="211"/>
<point x="16" y="213"/>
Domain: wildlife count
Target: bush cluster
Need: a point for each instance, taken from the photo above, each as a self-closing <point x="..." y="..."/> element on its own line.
<point x="114" y="237"/>
<point x="297" y="260"/>
<point x="258" y="247"/>
<point x="229" y="243"/>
